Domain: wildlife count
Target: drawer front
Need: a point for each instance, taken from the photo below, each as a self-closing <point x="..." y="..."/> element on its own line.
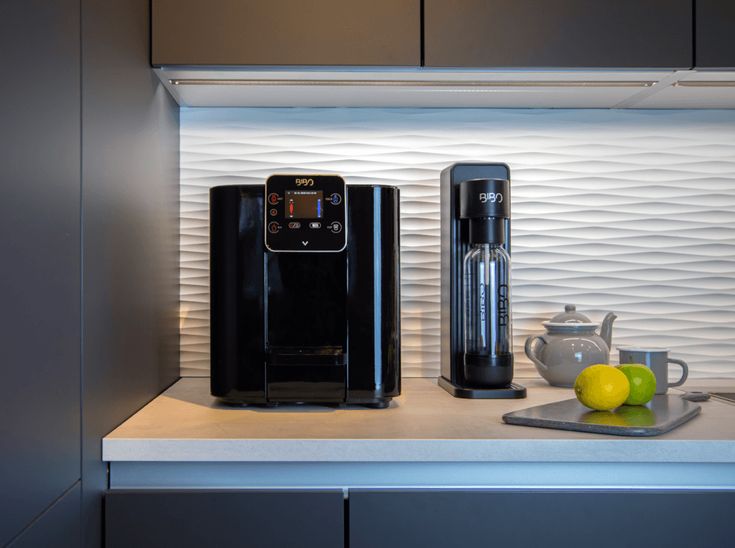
<point x="518" y="519"/>
<point x="252" y="519"/>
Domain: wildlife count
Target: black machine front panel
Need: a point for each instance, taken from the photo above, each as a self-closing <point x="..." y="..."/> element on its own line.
<point x="305" y="213"/>
<point x="293" y="326"/>
<point x="455" y="236"/>
<point x="306" y="335"/>
<point x="306" y="300"/>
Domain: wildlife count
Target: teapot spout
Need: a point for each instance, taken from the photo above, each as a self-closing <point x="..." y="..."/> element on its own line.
<point x="606" y="329"/>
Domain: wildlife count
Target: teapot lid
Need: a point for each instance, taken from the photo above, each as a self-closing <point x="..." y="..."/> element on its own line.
<point x="571" y="319"/>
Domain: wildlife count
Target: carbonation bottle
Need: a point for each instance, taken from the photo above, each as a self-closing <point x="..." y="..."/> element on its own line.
<point x="486" y="302"/>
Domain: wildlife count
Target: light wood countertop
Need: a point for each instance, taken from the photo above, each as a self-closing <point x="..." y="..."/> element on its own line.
<point x="186" y="424"/>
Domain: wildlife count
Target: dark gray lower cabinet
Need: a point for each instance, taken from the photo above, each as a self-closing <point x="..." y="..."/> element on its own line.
<point x="246" y="519"/>
<point x="481" y="518"/>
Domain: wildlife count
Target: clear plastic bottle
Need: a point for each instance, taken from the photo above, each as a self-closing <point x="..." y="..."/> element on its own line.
<point x="487" y="317"/>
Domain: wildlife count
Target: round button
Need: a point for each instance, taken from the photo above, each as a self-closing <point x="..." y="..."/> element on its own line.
<point x="274" y="212"/>
<point x="273" y="198"/>
<point x="273" y="227"/>
<point x="336" y="227"/>
<point x="335" y="199"/>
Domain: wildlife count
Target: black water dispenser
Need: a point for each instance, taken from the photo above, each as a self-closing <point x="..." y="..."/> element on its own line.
<point x="305" y="292"/>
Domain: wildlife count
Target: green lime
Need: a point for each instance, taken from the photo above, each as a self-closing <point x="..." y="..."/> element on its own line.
<point x="642" y="383"/>
<point x="601" y="387"/>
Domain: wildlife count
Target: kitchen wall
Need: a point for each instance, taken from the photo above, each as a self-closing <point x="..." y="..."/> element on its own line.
<point x="626" y="211"/>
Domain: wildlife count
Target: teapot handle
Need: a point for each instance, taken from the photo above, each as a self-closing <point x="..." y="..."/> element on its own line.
<point x="530" y="352"/>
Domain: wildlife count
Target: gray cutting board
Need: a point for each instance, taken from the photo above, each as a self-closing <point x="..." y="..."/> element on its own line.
<point x="661" y="414"/>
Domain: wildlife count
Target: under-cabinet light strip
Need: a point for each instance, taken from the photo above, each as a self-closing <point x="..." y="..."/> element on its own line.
<point x="418" y="83"/>
<point x="706" y="84"/>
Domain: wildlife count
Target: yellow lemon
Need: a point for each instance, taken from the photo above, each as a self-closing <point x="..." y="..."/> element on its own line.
<point x="601" y="387"/>
<point x="642" y="383"/>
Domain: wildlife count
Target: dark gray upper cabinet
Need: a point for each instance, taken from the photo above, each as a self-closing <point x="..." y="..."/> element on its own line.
<point x="558" y="33"/>
<point x="714" y="35"/>
<point x="286" y="32"/>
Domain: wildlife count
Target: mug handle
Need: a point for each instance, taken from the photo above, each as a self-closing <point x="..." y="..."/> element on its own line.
<point x="684" y="371"/>
<point x="531" y="353"/>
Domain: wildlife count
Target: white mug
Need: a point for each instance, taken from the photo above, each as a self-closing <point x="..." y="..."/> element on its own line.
<point x="657" y="359"/>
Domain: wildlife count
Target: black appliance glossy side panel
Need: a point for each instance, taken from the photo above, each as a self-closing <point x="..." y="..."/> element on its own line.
<point x="374" y="293"/>
<point x="454" y="246"/>
<point x="236" y="282"/>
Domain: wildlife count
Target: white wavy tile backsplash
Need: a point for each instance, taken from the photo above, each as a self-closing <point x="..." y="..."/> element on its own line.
<point x="624" y="211"/>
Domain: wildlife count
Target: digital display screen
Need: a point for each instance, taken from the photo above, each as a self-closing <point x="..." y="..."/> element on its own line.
<point x="304" y="204"/>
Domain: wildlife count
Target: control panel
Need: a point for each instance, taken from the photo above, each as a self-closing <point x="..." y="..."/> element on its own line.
<point x="305" y="213"/>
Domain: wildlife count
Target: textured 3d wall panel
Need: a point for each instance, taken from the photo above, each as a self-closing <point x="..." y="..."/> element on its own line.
<point x="624" y="211"/>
